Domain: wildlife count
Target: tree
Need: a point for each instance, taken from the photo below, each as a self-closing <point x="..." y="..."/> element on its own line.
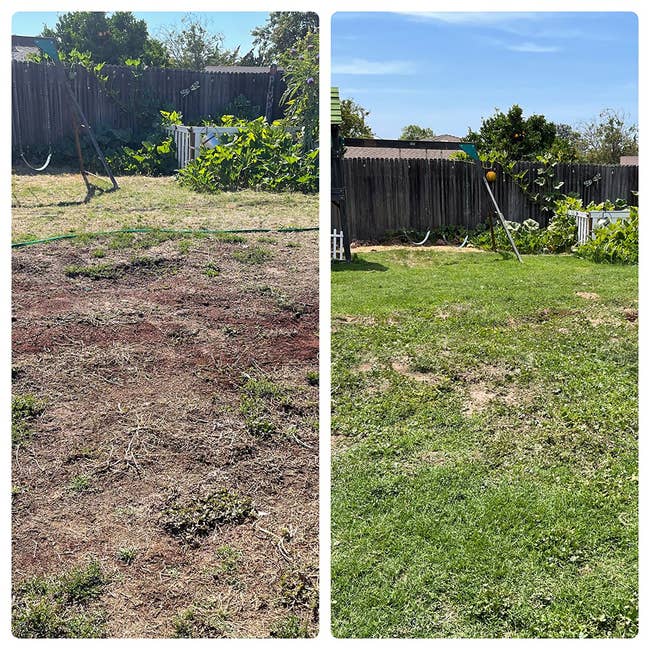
<point x="415" y="132"/>
<point x="280" y="33"/>
<point x="354" y="120"/>
<point x="193" y="46"/>
<point x="608" y="137"/>
<point x="107" y="38"/>
<point x="513" y="135"/>
<point x="301" y="71"/>
<point x="567" y="146"/>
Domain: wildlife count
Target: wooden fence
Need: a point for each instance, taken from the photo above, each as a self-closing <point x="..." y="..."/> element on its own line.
<point x="385" y="194"/>
<point x="115" y="103"/>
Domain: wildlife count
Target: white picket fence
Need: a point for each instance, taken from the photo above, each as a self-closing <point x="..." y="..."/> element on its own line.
<point x="589" y="222"/>
<point x="336" y="245"/>
<point x="190" y="139"/>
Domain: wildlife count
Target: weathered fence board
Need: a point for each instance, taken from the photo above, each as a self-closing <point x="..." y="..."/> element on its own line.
<point x="114" y="104"/>
<point x="393" y="194"/>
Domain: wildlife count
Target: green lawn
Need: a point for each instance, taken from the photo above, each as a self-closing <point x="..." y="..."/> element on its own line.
<point x="485" y="447"/>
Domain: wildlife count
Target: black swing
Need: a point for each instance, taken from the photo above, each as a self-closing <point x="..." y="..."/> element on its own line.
<point x="48" y="126"/>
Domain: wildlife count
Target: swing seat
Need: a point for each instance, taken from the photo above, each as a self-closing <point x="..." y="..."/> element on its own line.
<point x="43" y="167"/>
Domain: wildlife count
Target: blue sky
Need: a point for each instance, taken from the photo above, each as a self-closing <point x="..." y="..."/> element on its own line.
<point x="235" y="26"/>
<point x="446" y="71"/>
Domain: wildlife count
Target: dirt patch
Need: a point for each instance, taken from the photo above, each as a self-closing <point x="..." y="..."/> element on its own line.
<point x="405" y="370"/>
<point x="142" y="379"/>
<point x="631" y="315"/>
<point x="587" y="295"/>
<point x="379" y="248"/>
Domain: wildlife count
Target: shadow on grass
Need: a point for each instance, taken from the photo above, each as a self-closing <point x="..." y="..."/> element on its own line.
<point x="357" y="264"/>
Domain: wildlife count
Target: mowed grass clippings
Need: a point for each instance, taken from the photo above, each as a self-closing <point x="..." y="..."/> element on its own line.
<point x="41" y="207"/>
<point x="132" y="374"/>
<point x="484" y="446"/>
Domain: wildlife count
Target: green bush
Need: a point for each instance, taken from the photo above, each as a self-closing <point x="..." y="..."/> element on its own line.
<point x="260" y="156"/>
<point x="617" y="243"/>
<point x="528" y="237"/>
<point x="156" y="157"/>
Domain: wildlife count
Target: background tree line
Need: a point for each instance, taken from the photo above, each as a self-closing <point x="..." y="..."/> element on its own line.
<point x="119" y="37"/>
<point x="602" y="139"/>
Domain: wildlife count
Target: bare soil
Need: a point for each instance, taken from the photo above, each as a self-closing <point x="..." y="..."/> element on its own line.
<point x="143" y="379"/>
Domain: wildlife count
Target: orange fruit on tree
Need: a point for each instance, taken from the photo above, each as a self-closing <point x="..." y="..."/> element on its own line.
<point x="491" y="176"/>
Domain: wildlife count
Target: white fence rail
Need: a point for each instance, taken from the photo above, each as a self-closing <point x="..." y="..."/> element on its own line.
<point x="190" y="139"/>
<point x="336" y="245"/>
<point x="589" y="222"/>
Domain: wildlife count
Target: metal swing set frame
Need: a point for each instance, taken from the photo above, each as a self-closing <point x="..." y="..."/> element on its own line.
<point x="467" y="147"/>
<point x="48" y="47"/>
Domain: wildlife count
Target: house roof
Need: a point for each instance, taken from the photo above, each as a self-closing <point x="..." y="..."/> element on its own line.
<point x="335" y="103"/>
<point x="239" y="68"/>
<point x="629" y="160"/>
<point x="406" y="153"/>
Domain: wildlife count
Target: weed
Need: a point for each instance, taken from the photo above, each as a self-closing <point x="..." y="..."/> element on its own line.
<point x="267" y="240"/>
<point x="229" y="238"/>
<point x="60" y="606"/>
<point x="24" y="410"/>
<point x="99" y="252"/>
<point x="79" y="483"/>
<point x="94" y="272"/>
<point x="211" y="270"/>
<point x="291" y="627"/>
<point x="228" y="562"/>
<point x="121" y="240"/>
<point x="184" y="246"/>
<point x="253" y="255"/>
<point x="206" y="619"/>
<point x="297" y="590"/>
<point x="261" y="427"/>
<point x="293" y="244"/>
<point x="127" y="554"/>
<point x="199" y="516"/>
<point x="312" y="377"/>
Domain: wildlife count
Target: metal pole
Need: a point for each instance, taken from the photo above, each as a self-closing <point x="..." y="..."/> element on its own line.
<point x="502" y="219"/>
<point x="84" y="123"/>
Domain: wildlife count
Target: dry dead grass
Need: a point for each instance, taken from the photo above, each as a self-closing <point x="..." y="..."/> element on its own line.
<point x="40" y="207"/>
<point x="142" y="379"/>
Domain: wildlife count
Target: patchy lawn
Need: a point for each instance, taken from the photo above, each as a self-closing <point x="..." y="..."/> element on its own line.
<point x="164" y="419"/>
<point x="485" y="446"/>
<point x="41" y="207"/>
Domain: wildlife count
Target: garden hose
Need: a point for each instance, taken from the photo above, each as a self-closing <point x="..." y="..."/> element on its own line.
<point x="242" y="231"/>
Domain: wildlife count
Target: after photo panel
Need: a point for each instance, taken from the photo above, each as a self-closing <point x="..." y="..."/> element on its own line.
<point x="484" y="289"/>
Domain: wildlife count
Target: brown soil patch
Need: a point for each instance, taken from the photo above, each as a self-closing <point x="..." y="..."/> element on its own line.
<point x="587" y="295"/>
<point x="142" y="379"/>
<point x="379" y="248"/>
<point x="405" y="370"/>
<point x="631" y="315"/>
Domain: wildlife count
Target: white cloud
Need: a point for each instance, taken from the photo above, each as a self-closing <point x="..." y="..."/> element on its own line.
<point x="365" y="67"/>
<point x="534" y="48"/>
<point x="498" y="18"/>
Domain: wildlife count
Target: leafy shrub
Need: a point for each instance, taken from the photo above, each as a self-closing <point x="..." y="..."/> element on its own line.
<point x="156" y="157"/>
<point x="528" y="237"/>
<point x="562" y="231"/>
<point x="617" y="243"/>
<point x="259" y="156"/>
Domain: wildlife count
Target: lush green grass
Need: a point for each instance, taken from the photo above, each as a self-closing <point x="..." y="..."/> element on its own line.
<point x="485" y="458"/>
